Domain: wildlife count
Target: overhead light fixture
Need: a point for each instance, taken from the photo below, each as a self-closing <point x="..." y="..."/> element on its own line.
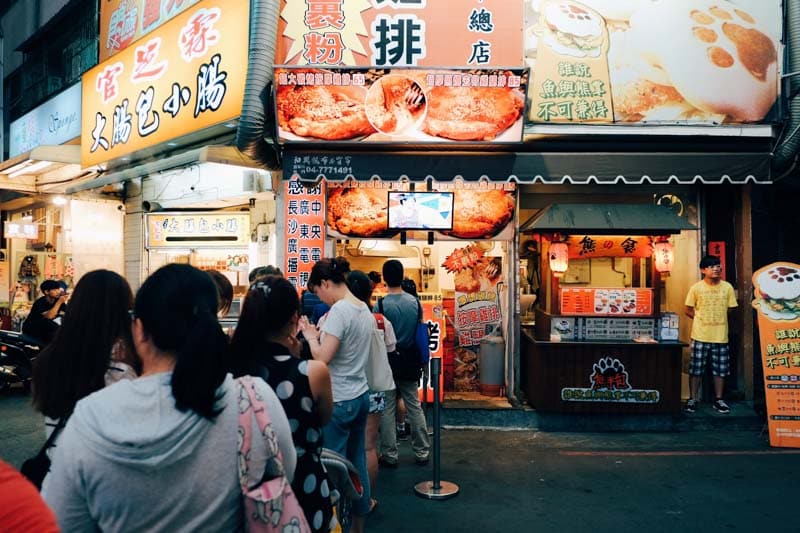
<point x="27" y="216"/>
<point x="31" y="168"/>
<point x="59" y="200"/>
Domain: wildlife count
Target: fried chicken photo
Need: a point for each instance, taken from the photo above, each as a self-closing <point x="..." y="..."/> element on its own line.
<point x="471" y="113"/>
<point x="481" y="214"/>
<point x="330" y="113"/>
<point x="395" y="103"/>
<point x="358" y="212"/>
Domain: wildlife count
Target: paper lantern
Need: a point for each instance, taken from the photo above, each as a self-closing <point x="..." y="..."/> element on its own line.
<point x="664" y="257"/>
<point x="559" y="258"/>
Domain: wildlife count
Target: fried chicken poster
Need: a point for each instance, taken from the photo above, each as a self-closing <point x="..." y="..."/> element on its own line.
<point x="400" y="104"/>
<point x="477" y="309"/>
<point x="777" y="304"/>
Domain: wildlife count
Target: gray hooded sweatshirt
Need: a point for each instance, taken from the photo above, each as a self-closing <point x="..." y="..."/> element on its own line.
<point x="128" y="460"/>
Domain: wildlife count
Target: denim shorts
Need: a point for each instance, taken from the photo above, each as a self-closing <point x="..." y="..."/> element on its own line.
<point x="717" y="351"/>
<point x="346" y="434"/>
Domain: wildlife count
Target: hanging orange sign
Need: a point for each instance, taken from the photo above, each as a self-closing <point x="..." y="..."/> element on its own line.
<point x="305" y="230"/>
<point x="777" y="304"/>
<point x="588" y="246"/>
<point x="186" y="76"/>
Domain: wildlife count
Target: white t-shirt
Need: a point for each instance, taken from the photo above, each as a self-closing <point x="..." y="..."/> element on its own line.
<point x="352" y="324"/>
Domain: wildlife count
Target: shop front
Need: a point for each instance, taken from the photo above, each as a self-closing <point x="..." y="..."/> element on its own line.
<point x="168" y="116"/>
<point x="457" y="257"/>
<point x="605" y="333"/>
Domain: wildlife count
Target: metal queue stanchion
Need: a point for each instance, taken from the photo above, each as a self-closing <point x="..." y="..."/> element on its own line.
<point x="436" y="489"/>
<point x="426" y="373"/>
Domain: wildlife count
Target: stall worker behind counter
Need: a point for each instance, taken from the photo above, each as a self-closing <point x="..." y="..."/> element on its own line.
<point x="45" y="316"/>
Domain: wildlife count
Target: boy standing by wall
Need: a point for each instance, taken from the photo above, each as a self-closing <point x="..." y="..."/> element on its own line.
<point x="707" y="304"/>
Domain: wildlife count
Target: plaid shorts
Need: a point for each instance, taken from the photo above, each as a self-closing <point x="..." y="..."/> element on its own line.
<point x="720" y="358"/>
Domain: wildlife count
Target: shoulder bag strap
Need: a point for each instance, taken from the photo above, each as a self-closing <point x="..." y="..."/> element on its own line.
<point x="380" y="305"/>
<point x="52" y="438"/>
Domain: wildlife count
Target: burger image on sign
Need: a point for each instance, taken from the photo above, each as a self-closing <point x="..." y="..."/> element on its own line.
<point x="571" y="29"/>
<point x="777" y="290"/>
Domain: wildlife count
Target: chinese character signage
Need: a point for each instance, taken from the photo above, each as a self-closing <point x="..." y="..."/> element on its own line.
<point x="393" y="33"/>
<point x="609" y="382"/>
<point x="477" y="309"/>
<point x="433" y="315"/>
<point x="56" y="121"/>
<point x="220" y="230"/>
<point x="602" y="301"/>
<point x="184" y="77"/>
<point x="124" y="21"/>
<point x="700" y="61"/>
<point x="588" y="246"/>
<point x="400" y="105"/>
<point x="305" y="230"/>
<point x="20" y="230"/>
<point x="717" y="249"/>
<point x="777" y="304"/>
<point x="361" y="209"/>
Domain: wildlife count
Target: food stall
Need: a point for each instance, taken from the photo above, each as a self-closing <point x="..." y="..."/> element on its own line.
<point x="600" y="342"/>
<point x="208" y="240"/>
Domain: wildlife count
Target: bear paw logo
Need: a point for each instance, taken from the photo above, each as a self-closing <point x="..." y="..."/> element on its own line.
<point x="609" y="374"/>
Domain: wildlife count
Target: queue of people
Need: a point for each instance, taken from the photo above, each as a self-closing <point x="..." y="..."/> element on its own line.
<point x="144" y="396"/>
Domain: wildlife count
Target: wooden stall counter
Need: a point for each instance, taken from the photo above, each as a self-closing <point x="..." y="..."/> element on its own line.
<point x="619" y="377"/>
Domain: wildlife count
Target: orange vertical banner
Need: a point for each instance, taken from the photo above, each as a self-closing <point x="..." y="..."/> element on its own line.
<point x="777" y="302"/>
<point x="305" y="230"/>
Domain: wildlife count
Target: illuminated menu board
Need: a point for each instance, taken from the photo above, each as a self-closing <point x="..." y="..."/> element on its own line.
<point x="606" y="301"/>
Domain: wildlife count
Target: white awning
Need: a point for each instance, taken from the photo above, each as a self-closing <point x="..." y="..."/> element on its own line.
<point x="222" y="154"/>
<point x="45" y="169"/>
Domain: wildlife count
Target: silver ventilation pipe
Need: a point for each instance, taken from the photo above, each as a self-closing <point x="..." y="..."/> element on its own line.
<point x="257" y="110"/>
<point x="786" y="154"/>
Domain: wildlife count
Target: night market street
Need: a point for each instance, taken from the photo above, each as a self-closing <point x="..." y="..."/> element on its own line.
<point x="522" y="481"/>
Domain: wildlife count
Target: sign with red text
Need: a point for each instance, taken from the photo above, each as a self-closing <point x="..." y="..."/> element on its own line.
<point x="186" y="76"/>
<point x="124" y="21"/>
<point x="305" y="230"/>
<point x="777" y="304"/>
<point x="717" y="249"/>
<point x="396" y="33"/>
<point x="477" y="309"/>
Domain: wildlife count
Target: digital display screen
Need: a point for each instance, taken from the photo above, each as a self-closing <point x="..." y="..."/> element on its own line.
<point x="421" y="210"/>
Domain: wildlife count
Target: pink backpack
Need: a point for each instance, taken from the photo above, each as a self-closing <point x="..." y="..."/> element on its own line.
<point x="271" y="504"/>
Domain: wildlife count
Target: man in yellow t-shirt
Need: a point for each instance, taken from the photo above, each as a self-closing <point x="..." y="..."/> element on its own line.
<point x="707" y="304"/>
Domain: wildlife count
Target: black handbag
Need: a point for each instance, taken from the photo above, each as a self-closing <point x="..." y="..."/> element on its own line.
<point x="38" y="466"/>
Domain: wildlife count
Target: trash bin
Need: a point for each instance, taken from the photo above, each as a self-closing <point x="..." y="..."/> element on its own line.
<point x="492" y="364"/>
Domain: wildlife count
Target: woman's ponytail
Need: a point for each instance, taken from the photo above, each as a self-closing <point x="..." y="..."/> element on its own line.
<point x="177" y="306"/>
<point x="200" y="366"/>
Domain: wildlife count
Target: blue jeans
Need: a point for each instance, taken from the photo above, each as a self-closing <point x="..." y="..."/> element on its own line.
<point x="346" y="434"/>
